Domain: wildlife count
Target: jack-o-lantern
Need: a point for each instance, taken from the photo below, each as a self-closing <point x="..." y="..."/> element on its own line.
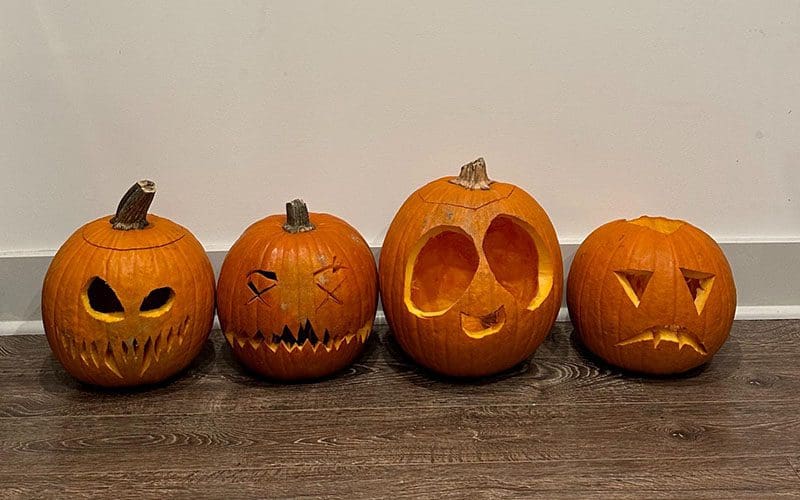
<point x="651" y="295"/>
<point x="128" y="299"/>
<point x="471" y="274"/>
<point x="297" y="295"/>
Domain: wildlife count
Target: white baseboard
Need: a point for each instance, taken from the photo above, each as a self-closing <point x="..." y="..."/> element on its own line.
<point x="767" y="274"/>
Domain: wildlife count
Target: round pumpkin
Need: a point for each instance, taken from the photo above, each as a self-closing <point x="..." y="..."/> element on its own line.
<point x="128" y="299"/>
<point x="471" y="274"/>
<point x="297" y="295"/>
<point x="651" y="295"/>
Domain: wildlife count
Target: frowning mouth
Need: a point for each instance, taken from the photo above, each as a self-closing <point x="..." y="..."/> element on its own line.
<point x="478" y="327"/>
<point x="672" y="333"/>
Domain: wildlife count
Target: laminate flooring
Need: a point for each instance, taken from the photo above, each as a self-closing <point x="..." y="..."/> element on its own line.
<point x="561" y="425"/>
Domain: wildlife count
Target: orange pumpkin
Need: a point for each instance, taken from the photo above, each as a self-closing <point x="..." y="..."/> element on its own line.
<point x="297" y="295"/>
<point x="651" y="295"/>
<point x="471" y="274"/>
<point x="128" y="299"/>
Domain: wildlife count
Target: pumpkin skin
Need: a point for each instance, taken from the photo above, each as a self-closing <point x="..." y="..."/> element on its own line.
<point x="471" y="274"/>
<point x="651" y="295"/>
<point x="298" y="305"/>
<point x="128" y="307"/>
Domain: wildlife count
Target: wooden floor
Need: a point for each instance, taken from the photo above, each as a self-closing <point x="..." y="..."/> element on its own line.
<point x="561" y="425"/>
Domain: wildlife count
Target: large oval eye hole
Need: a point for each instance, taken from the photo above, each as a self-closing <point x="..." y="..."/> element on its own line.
<point x="100" y="300"/>
<point x="439" y="271"/>
<point x="157" y="302"/>
<point x="699" y="284"/>
<point x="519" y="260"/>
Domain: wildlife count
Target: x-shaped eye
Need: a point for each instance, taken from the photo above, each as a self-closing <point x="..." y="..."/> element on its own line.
<point x="330" y="293"/>
<point x="258" y="292"/>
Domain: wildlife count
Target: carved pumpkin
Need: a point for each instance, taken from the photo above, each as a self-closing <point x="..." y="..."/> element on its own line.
<point x="128" y="299"/>
<point x="297" y="295"/>
<point x="652" y="295"/>
<point x="471" y="274"/>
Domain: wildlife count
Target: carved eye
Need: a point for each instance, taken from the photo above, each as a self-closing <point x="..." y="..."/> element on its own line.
<point x="157" y="302"/>
<point x="439" y="271"/>
<point x="101" y="301"/>
<point x="329" y="278"/>
<point x="260" y="281"/>
<point x="516" y="262"/>
<point x="699" y="284"/>
<point x="634" y="282"/>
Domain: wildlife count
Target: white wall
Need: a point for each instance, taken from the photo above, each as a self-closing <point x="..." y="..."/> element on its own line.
<point x="599" y="109"/>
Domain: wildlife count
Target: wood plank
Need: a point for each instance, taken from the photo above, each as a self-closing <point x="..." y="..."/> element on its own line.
<point x="561" y="426"/>
<point x="389" y="436"/>
<point x="545" y="383"/>
<point x="35" y="385"/>
<point x="795" y="463"/>
<point x="698" y="478"/>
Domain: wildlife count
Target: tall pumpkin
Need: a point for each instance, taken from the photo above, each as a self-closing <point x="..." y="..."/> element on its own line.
<point x="128" y="299"/>
<point x="297" y="295"/>
<point x="652" y="295"/>
<point x="471" y="274"/>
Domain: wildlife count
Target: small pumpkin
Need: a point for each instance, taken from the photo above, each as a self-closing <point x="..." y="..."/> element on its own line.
<point x="298" y="294"/>
<point x="652" y="295"/>
<point x="128" y="299"/>
<point x="471" y="274"/>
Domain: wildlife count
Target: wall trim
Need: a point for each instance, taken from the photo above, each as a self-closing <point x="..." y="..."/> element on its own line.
<point x="766" y="274"/>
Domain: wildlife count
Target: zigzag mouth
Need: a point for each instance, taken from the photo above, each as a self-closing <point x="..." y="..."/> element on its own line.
<point x="123" y="355"/>
<point x="305" y="338"/>
<point x="671" y="333"/>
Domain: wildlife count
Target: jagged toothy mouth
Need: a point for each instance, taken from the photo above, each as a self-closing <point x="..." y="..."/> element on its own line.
<point x="305" y="338"/>
<point x="124" y="354"/>
<point x="478" y="327"/>
<point x="672" y="333"/>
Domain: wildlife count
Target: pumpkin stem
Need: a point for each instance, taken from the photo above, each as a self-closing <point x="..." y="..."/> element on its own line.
<point x="473" y="176"/>
<point x="297" y="217"/>
<point x="132" y="209"/>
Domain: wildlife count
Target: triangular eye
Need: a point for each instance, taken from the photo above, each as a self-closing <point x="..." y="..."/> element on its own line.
<point x="102" y="298"/>
<point x="699" y="285"/>
<point x="634" y="282"/>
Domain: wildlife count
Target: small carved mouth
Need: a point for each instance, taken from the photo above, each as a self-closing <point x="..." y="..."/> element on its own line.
<point x="672" y="333"/>
<point x="478" y="327"/>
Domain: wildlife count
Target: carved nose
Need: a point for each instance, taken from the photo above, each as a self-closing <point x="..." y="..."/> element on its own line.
<point x="478" y="327"/>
